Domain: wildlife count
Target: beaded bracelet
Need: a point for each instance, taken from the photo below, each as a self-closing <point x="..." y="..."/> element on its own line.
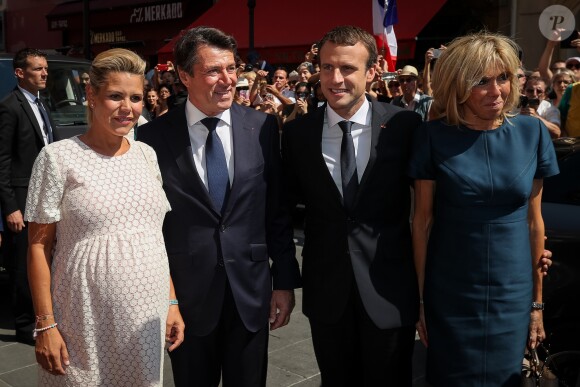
<point x="173" y="302"/>
<point x="36" y="331"/>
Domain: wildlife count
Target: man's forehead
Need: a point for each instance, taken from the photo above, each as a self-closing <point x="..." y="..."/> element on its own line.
<point x="33" y="60"/>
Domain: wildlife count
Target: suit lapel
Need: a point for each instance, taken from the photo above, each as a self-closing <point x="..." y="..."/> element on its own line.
<point x="177" y="137"/>
<point x="29" y="113"/>
<point x="378" y="123"/>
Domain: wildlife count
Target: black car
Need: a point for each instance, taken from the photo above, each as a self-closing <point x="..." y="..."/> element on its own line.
<point x="64" y="95"/>
<point x="561" y="213"/>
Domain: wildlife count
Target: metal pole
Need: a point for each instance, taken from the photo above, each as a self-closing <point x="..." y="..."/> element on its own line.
<point x="513" y="18"/>
<point x="86" y="30"/>
<point x="251" y="6"/>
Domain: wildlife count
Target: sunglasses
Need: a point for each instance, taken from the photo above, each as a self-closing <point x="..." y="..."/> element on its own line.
<point x="406" y="80"/>
<point x="394" y="84"/>
<point x="531" y="91"/>
<point x="564" y="81"/>
<point x="573" y="66"/>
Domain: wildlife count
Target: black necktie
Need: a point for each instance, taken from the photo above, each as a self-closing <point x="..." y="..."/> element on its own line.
<point x="215" y="162"/>
<point x="348" y="166"/>
<point x="47" y="129"/>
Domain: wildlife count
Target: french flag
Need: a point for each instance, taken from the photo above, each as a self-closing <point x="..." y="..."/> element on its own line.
<point x="384" y="17"/>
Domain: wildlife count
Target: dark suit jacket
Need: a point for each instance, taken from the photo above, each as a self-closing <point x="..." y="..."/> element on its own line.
<point x="204" y="246"/>
<point x="374" y="242"/>
<point x="20" y="142"/>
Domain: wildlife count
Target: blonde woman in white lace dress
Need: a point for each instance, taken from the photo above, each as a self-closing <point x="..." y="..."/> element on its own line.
<point x="98" y="269"/>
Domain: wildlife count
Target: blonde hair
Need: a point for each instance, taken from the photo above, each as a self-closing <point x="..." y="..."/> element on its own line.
<point x="463" y="64"/>
<point x="250" y="75"/>
<point x="115" y="60"/>
<point x="561" y="74"/>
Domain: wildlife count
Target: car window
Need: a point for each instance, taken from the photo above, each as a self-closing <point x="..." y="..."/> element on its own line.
<point x="7" y="78"/>
<point x="64" y="94"/>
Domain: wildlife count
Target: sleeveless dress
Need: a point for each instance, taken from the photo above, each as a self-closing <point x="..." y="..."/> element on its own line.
<point x="478" y="275"/>
<point x="110" y="272"/>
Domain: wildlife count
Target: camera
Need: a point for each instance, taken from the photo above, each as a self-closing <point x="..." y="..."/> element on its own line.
<point x="162" y="67"/>
<point x="533" y="103"/>
<point x="567" y="43"/>
<point x="269" y="96"/>
<point x="436" y="53"/>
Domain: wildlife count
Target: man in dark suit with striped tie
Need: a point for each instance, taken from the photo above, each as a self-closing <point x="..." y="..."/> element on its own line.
<point x="25" y="127"/>
<point x="222" y="174"/>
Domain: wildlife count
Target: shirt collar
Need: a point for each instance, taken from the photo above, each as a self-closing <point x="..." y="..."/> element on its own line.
<point x="360" y="117"/>
<point x="194" y="115"/>
<point x="416" y="98"/>
<point x="29" y="96"/>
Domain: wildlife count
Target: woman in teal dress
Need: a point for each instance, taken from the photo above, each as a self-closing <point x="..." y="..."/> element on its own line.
<point x="478" y="233"/>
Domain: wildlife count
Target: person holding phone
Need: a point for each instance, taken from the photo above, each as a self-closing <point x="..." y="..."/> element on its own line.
<point x="303" y="103"/>
<point x="537" y="106"/>
<point x="430" y="56"/>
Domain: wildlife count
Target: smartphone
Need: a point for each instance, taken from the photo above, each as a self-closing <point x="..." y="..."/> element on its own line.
<point x="567" y="43"/>
<point x="162" y="67"/>
<point x="387" y="76"/>
<point x="436" y="53"/>
<point x="269" y="97"/>
<point x="302" y="96"/>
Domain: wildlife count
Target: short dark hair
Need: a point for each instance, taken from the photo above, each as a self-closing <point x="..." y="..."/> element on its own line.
<point x="20" y="60"/>
<point x="349" y="36"/>
<point x="283" y="69"/>
<point x="186" y="47"/>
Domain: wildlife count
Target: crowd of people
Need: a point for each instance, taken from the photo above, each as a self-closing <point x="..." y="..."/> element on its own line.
<point x="130" y="240"/>
<point x="541" y="89"/>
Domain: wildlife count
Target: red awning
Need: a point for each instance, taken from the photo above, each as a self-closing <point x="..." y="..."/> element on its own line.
<point x="281" y="36"/>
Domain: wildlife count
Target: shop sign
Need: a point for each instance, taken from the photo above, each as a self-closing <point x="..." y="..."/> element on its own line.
<point x="107" y="37"/>
<point x="58" y="24"/>
<point x="158" y="12"/>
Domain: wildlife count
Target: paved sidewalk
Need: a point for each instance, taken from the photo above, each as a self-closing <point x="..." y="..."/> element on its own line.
<point x="291" y="357"/>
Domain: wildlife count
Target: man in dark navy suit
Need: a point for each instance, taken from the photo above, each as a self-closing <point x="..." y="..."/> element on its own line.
<point x="25" y="127"/>
<point x="222" y="173"/>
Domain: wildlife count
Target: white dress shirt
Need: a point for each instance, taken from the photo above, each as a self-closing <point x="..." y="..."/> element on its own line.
<point x="198" y="135"/>
<point x="332" y="139"/>
<point x="31" y="98"/>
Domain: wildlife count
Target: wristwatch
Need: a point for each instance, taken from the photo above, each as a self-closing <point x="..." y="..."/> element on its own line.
<point x="537" y="306"/>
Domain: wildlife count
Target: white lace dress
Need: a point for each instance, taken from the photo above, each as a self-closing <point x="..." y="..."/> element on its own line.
<point x="110" y="274"/>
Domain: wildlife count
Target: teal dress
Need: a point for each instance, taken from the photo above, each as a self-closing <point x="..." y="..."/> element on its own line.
<point x="478" y="275"/>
